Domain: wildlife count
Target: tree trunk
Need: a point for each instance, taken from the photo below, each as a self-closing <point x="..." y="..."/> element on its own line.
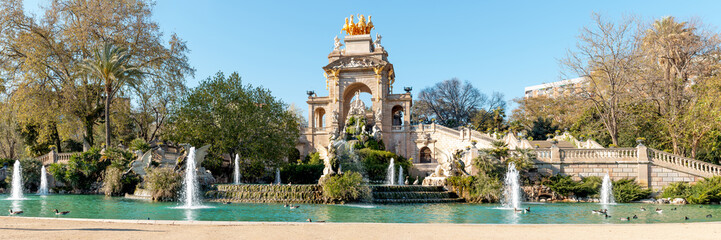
<point x="107" y="116"/>
<point x="89" y="133"/>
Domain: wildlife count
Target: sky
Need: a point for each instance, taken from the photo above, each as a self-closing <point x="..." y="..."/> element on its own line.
<point x="498" y="46"/>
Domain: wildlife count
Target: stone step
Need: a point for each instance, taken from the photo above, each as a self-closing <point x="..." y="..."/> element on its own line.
<point x="407" y="188"/>
<point x="406" y="201"/>
<point x="412" y="195"/>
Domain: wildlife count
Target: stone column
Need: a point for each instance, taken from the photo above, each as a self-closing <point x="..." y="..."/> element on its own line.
<point x="644" y="166"/>
<point x="556" y="158"/>
<point x="52" y="156"/>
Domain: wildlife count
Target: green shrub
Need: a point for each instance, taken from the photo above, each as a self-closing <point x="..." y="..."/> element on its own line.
<point x="345" y="187"/>
<point x="313" y="158"/>
<point x="626" y="190"/>
<point x="112" y="181"/>
<point x="375" y="163"/>
<point x="705" y="191"/>
<point x="565" y="185"/>
<point x="84" y="169"/>
<point x="676" y="190"/>
<point x="589" y="186"/>
<point x="116" y="182"/>
<point x="118" y="158"/>
<point x="301" y="173"/>
<point x="477" y="189"/>
<point x="139" y="144"/>
<point x="163" y="183"/>
<point x="30" y="172"/>
<point x="57" y="170"/>
<point x="561" y="184"/>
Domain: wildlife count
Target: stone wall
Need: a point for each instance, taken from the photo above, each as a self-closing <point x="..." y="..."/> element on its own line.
<point x="649" y="167"/>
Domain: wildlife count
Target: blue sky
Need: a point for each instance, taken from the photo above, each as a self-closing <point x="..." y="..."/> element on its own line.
<point x="499" y="46"/>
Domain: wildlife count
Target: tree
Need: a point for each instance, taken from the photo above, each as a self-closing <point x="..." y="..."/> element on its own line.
<point x="112" y="67"/>
<point x="452" y="103"/>
<point x="44" y="55"/>
<point x="677" y="53"/>
<point x="235" y="118"/>
<point x="605" y="57"/>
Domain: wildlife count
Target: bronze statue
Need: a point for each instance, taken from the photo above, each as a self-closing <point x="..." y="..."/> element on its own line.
<point x="362" y="27"/>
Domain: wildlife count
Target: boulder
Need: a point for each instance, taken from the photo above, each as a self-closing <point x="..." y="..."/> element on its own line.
<point x="679" y="201"/>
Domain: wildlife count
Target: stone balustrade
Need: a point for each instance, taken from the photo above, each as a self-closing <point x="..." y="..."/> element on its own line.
<point x="703" y="168"/>
<point x="650" y="167"/>
<point x="54" y="157"/>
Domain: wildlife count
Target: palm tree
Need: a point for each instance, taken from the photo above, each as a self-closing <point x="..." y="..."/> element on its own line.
<point x="111" y="65"/>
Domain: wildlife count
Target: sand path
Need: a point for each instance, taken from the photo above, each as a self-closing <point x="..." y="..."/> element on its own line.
<point x="49" y="228"/>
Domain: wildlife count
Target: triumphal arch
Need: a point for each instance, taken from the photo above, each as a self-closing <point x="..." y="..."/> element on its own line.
<point x="359" y="63"/>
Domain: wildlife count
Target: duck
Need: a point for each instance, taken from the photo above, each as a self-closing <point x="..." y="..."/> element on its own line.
<point x="673" y="209"/>
<point x="294" y="207"/>
<point x="286" y="205"/>
<point x="709" y="216"/>
<point x="625" y="219"/>
<point x="311" y="220"/>
<point x="659" y="210"/>
<point x="635" y="217"/>
<point x="528" y="209"/>
<point x="606" y="215"/>
<point x="643" y="209"/>
<point x="685" y="218"/>
<point x="61" y="213"/>
<point x="517" y="210"/>
<point x="15" y="212"/>
<point x="226" y="203"/>
<point x="596" y="211"/>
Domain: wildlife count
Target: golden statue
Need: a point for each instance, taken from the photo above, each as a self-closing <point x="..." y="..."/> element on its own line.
<point x="362" y="27"/>
<point x="369" y="26"/>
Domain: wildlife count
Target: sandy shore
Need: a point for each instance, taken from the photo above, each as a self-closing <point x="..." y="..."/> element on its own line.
<point x="48" y="228"/>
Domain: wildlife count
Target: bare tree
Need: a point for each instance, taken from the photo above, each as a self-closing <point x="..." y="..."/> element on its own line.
<point x="451" y="103"/>
<point x="605" y="56"/>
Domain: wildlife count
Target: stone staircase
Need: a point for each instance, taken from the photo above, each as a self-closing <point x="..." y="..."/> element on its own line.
<point x="413" y="194"/>
<point x="264" y="193"/>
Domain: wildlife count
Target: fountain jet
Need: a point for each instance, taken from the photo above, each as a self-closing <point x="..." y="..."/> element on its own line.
<point x="43" y="190"/>
<point x="236" y="170"/>
<point x="607" y="191"/>
<point x="391" y="174"/>
<point x="190" y="183"/>
<point x="512" y="188"/>
<point x="17" y="184"/>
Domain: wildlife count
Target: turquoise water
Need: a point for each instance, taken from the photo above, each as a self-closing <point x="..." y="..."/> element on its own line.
<point x="95" y="206"/>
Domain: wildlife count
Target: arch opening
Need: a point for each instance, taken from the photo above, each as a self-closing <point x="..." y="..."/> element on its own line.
<point x="320" y="118"/>
<point x="426" y="155"/>
<point x="398" y="114"/>
<point x="365" y="95"/>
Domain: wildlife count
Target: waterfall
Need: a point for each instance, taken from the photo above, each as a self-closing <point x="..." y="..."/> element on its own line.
<point x="391" y="174"/>
<point x="512" y="188"/>
<point x="236" y="170"/>
<point x="400" y="175"/>
<point x="190" y="182"/>
<point x="43" y="190"/>
<point x="607" y="191"/>
<point x="277" y="176"/>
<point x="17" y="184"/>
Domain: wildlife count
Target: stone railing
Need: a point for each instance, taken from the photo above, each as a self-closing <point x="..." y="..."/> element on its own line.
<point x="606" y="153"/>
<point x="661" y="157"/>
<point x="396" y="128"/>
<point x="54" y="157"/>
<point x="543" y="154"/>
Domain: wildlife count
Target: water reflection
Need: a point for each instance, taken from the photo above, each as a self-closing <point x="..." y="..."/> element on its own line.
<point x="189" y="214"/>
